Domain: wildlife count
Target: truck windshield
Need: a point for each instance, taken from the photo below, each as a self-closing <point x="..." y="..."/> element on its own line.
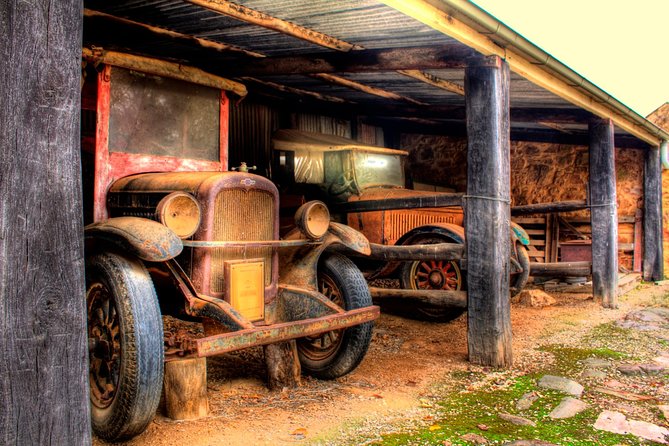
<point x="151" y="115"/>
<point x="373" y="169"/>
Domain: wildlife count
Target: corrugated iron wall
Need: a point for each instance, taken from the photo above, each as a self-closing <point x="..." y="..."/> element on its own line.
<point x="252" y="125"/>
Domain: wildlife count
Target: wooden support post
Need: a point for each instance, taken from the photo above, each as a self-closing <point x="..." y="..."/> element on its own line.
<point x="603" y="212"/>
<point x="43" y="340"/>
<point x="653" y="268"/>
<point x="185" y="389"/>
<point x="283" y="365"/>
<point x="487" y="212"/>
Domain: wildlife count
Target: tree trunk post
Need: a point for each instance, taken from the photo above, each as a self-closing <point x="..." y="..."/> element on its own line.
<point x="43" y="339"/>
<point x="185" y="389"/>
<point x="283" y="365"/>
<point x="603" y="212"/>
<point x="653" y="268"/>
<point x="487" y="212"/>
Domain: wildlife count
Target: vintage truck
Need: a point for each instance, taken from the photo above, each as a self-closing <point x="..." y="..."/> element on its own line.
<point x="171" y="232"/>
<point x="366" y="186"/>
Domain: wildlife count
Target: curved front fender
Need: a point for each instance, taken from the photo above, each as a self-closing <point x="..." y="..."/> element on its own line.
<point x="518" y="233"/>
<point x="350" y="238"/>
<point x="141" y="237"/>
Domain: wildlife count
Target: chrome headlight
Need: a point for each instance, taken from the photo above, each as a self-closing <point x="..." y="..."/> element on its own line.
<point x="313" y="219"/>
<point x="180" y="212"/>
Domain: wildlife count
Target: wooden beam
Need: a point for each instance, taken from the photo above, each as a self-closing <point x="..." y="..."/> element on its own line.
<point x="603" y="213"/>
<point x="487" y="213"/>
<point x="97" y="18"/>
<point x="436" y="16"/>
<point x="434" y="81"/>
<point x="653" y="267"/>
<point x="297" y="91"/>
<point x="447" y="56"/>
<point x="259" y="18"/>
<point x="557" y="206"/>
<point x="338" y="80"/>
<point x="163" y="68"/>
<point x="44" y="391"/>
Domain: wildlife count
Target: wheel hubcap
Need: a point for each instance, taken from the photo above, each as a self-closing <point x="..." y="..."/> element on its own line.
<point x="104" y="344"/>
<point x="439" y="275"/>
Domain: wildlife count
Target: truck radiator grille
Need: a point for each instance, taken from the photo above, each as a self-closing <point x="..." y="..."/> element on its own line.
<point x="397" y="223"/>
<point x="242" y="215"/>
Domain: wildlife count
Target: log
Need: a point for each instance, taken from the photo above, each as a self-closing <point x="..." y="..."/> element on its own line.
<point x="283" y="365"/>
<point x="653" y="267"/>
<point x="546" y="208"/>
<point x="440" y="298"/>
<point x="603" y="213"/>
<point x="185" y="389"/>
<point x="438" y="251"/>
<point x="487" y="213"/>
<point x="426" y="201"/>
<point x="562" y="269"/>
<point x="44" y="389"/>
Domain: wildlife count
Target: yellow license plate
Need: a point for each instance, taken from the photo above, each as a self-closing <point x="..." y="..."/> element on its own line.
<point x="245" y="287"/>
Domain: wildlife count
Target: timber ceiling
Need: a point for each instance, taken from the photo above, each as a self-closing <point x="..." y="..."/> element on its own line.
<point x="339" y="57"/>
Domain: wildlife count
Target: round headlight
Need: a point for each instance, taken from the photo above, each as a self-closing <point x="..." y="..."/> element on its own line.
<point x="313" y="219"/>
<point x="180" y="212"/>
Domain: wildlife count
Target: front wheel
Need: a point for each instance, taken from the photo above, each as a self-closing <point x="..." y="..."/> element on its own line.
<point x="338" y="352"/>
<point x="432" y="275"/>
<point x="125" y="334"/>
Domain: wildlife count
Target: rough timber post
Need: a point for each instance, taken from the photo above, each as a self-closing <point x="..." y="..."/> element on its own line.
<point x="43" y="340"/>
<point x="487" y="212"/>
<point x="603" y="213"/>
<point x="653" y="268"/>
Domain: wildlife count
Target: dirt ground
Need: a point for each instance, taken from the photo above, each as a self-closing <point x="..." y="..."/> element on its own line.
<point x="405" y="360"/>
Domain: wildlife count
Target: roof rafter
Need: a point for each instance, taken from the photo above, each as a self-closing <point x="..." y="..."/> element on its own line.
<point x="338" y="80"/>
<point x="259" y="18"/>
<point x="184" y="38"/>
<point x="434" y="81"/>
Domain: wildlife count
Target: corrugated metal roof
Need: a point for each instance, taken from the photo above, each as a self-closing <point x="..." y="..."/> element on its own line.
<point x="368" y="24"/>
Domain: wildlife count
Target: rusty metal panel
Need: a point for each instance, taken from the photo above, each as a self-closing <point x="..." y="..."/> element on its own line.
<point x="399" y="222"/>
<point x="241" y="215"/>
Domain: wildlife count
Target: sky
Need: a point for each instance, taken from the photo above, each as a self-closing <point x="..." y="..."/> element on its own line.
<point x="619" y="45"/>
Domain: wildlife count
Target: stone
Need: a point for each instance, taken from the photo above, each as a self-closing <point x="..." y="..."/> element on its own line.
<point x="526" y="401"/>
<point x="645" y="316"/>
<point x="652" y="369"/>
<point x="513" y="419"/>
<point x="662" y="360"/>
<point x="593" y="374"/>
<point x="474" y="438"/>
<point x="660" y="311"/>
<point x="535" y="298"/>
<point x="568" y="408"/>
<point x="664" y="408"/>
<point x="618" y="424"/>
<point x="562" y="384"/>
<point x="630" y="369"/>
<point x="596" y="363"/>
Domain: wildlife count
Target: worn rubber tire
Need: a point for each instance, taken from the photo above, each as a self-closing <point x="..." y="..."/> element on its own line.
<point x="427" y="312"/>
<point x="140" y="375"/>
<point x="354" y="340"/>
<point x="519" y="281"/>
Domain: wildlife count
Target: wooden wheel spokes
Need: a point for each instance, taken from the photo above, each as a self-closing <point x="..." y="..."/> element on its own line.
<point x="436" y="274"/>
<point x="323" y="346"/>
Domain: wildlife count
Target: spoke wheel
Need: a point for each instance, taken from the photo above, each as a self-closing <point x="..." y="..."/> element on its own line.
<point x="105" y="336"/>
<point x="431" y="275"/>
<point x="125" y="333"/>
<point x="322" y="347"/>
<point x="338" y="352"/>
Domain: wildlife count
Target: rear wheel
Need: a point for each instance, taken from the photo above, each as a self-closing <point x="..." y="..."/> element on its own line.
<point x="125" y="346"/>
<point x="338" y="352"/>
<point x="432" y="275"/>
<point x="518" y="280"/>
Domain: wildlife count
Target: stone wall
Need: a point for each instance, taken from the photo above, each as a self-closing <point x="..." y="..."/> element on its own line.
<point x="540" y="173"/>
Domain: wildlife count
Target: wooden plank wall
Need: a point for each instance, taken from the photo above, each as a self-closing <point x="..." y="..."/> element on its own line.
<point x="43" y="372"/>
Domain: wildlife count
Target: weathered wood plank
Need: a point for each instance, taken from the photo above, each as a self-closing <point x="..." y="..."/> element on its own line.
<point x="603" y="212"/>
<point x="487" y="213"/>
<point x="542" y="208"/>
<point x="348" y="83"/>
<point x="653" y="268"/>
<point x="561" y="269"/>
<point x="43" y="340"/>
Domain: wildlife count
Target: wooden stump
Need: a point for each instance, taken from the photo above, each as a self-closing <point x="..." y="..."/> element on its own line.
<point x="185" y="389"/>
<point x="283" y="365"/>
